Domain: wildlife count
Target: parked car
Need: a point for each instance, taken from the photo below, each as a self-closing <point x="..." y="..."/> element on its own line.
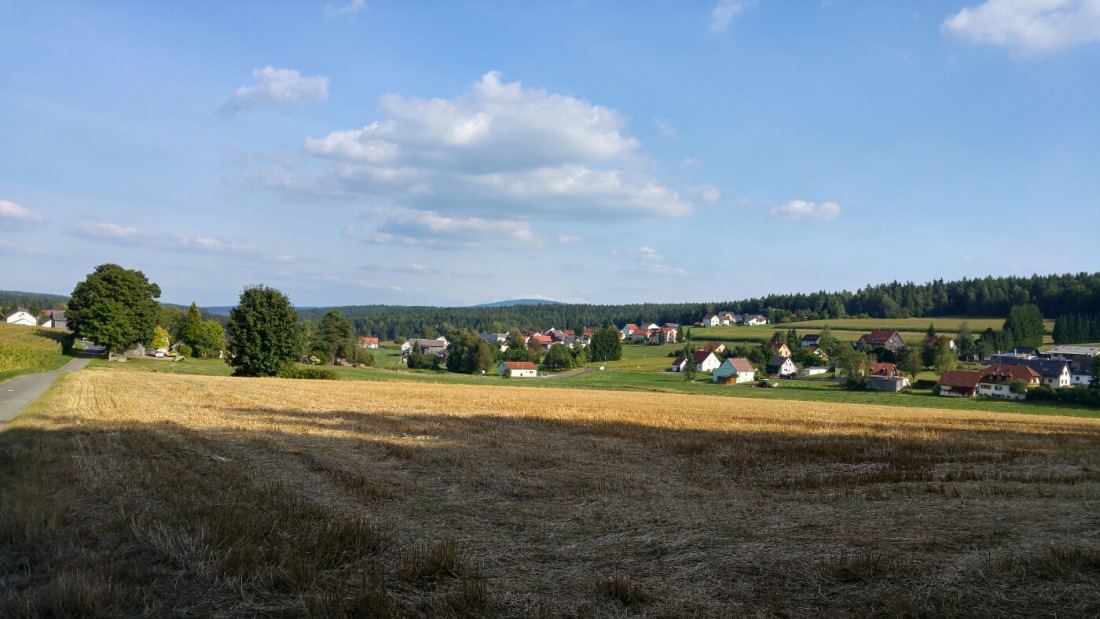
<point x="766" y="384"/>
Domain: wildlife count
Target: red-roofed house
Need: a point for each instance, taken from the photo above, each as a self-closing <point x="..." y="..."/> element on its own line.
<point x="368" y="342"/>
<point x="960" y="383"/>
<point x="705" y="361"/>
<point x="890" y="340"/>
<point x="884" y="369"/>
<point x="518" y="369"/>
<point x="996" y="380"/>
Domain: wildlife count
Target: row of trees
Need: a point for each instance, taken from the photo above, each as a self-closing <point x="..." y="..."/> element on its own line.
<point x="1053" y="295"/>
<point x="1076" y="329"/>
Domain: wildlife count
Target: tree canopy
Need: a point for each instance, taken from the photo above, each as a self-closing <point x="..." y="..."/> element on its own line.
<point x="263" y="332"/>
<point x="1025" y="323"/>
<point x="606" y="344"/>
<point x="132" y="319"/>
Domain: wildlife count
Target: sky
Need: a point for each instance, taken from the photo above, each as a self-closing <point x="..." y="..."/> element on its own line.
<point x="456" y="153"/>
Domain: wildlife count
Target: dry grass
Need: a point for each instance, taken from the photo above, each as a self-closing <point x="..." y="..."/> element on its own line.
<point x="141" y="494"/>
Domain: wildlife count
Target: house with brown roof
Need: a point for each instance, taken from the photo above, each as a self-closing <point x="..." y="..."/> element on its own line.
<point x="996" y="380"/>
<point x="960" y="383"/>
<point x="890" y="340"/>
<point x="715" y="347"/>
<point x="705" y="361"/>
<point x="884" y="369"/>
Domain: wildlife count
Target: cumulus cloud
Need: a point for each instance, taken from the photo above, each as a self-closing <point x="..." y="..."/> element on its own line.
<point x="800" y="209"/>
<point x="430" y="229"/>
<point x="277" y="86"/>
<point x="498" y="148"/>
<point x="725" y="11"/>
<point x="1028" y="26"/>
<point x="14" y="216"/>
<point x="130" y="236"/>
<point x="666" y="128"/>
<point x="351" y="8"/>
<point x="648" y="261"/>
<point x="706" y="193"/>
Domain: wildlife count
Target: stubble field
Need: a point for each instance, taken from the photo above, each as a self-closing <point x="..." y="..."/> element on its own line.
<point x="129" y="493"/>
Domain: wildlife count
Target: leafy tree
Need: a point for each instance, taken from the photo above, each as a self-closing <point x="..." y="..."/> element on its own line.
<point x="931" y="332"/>
<point x="1025" y="323"/>
<point x="1018" y="387"/>
<point x="944" y="360"/>
<point x="853" y="364"/>
<point x="910" y="361"/>
<point x="131" y="290"/>
<point x="211" y="337"/>
<point x="606" y="345"/>
<point x="558" y="358"/>
<point x="419" y="360"/>
<point x="965" y="341"/>
<point x="1094" y="384"/>
<point x="828" y="341"/>
<point x="263" y="332"/>
<point x="192" y="325"/>
<point x="793" y="340"/>
<point x="108" y="323"/>
<point x="517" y="348"/>
<point x="468" y="353"/>
<point x="160" y="338"/>
<point x="333" y="336"/>
<point x="171" y="317"/>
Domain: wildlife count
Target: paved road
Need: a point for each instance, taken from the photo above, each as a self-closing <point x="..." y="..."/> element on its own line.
<point x="17" y="393"/>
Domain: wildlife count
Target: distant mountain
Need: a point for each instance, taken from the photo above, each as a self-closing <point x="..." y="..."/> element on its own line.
<point x="514" y="302"/>
<point x="220" y="310"/>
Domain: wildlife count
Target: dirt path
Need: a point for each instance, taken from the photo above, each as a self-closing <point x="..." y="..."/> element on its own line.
<point x="17" y="393"/>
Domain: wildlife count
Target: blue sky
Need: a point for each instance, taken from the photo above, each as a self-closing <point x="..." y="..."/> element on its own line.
<point x="605" y="152"/>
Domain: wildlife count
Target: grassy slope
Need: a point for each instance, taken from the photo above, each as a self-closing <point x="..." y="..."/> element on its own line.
<point x="130" y="493"/>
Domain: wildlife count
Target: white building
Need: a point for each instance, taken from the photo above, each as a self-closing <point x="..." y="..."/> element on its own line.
<point x="518" y="369"/>
<point x="21" y="317"/>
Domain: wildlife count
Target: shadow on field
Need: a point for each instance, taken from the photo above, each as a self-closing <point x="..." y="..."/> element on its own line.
<point x="286" y="513"/>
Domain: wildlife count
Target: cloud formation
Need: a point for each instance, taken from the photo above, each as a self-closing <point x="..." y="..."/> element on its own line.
<point x="351" y="8"/>
<point x="14" y="216"/>
<point x="1028" y="26"/>
<point x="277" y="86"/>
<point x="498" y="148"/>
<point x="430" y="229"/>
<point x="800" y="209"/>
<point x="725" y="11"/>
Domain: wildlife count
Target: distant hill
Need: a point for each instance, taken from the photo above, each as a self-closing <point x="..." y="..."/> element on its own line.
<point x="14" y="299"/>
<point x="220" y="310"/>
<point x="514" y="302"/>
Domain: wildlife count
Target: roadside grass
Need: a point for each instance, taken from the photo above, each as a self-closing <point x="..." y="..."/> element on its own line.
<point x="129" y="493"/>
<point x="26" y="349"/>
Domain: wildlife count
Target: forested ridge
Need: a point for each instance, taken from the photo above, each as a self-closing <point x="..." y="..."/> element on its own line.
<point x="1055" y="295"/>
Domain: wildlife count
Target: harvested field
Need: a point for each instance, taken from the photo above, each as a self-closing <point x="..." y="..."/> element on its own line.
<point x="150" y="494"/>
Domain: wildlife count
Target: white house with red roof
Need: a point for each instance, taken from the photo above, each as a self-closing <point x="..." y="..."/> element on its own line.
<point x="705" y="361"/>
<point x="518" y="369"/>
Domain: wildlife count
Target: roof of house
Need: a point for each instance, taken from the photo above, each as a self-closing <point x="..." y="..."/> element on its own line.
<point x="630" y="327"/>
<point x="519" y="365"/>
<point x="878" y="337"/>
<point x="1025" y="350"/>
<point x="699" y="356"/>
<point x="1009" y="373"/>
<point x="967" y="379"/>
<point x="777" y="360"/>
<point x="741" y="365"/>
<point x="1092" y="351"/>
<point x="810" y="338"/>
<point x="883" y="368"/>
<point x="1045" y="367"/>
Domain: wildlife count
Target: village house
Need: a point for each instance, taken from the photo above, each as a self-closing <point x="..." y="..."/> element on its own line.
<point x="778" y="349"/>
<point x="884" y="369"/>
<point x="932" y="341"/>
<point x="437" y="346"/>
<point x="711" y="320"/>
<point x="628" y="330"/>
<point x="996" y="381"/>
<point x="54" y="319"/>
<point x="893" y="384"/>
<point x="21" y="317"/>
<point x="754" y="320"/>
<point x="890" y="340"/>
<point x="1080" y="372"/>
<point x="782" y="366"/>
<point x="715" y="347"/>
<point x="735" y="370"/>
<point x="518" y="369"/>
<point x="810" y="339"/>
<point x="705" y="361"/>
<point x="367" y="342"/>
<point x="497" y="340"/>
<point x="960" y="383"/>
<point x="1056" y="373"/>
<point x="1073" y="353"/>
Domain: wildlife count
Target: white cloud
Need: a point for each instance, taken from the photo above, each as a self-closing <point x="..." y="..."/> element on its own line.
<point x="725" y="11"/>
<point x="277" y="86"/>
<point x="1029" y="26"/>
<point x="351" y="8"/>
<point x="427" y="228"/>
<point x="664" y="125"/>
<point x="800" y="209"/>
<point x="498" y="148"/>
<point x="706" y="193"/>
<point x="649" y="262"/>
<point x="13" y="215"/>
<point x="107" y="231"/>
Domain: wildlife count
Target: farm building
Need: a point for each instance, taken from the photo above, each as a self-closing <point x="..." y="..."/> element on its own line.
<point x="960" y="383"/>
<point x="887" y="383"/>
<point x="890" y="340"/>
<point x="814" y="371"/>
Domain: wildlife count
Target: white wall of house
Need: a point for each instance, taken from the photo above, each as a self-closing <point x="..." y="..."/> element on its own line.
<point x="998" y="391"/>
<point x="21" y="318"/>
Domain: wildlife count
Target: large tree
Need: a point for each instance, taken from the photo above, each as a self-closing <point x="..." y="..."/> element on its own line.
<point x="263" y="332"/>
<point x="467" y="353"/>
<point x="135" y="297"/>
<point x="211" y="338"/>
<point x="606" y="344"/>
<point x="1025" y="323"/>
<point x="910" y="361"/>
<point x="334" y="336"/>
<point x="192" y="326"/>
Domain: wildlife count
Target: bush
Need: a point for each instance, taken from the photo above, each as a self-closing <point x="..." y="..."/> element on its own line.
<point x="186" y="350"/>
<point x="1042" y="392"/>
<point x="291" y="370"/>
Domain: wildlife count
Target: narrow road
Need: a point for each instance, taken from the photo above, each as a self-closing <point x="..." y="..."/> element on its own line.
<point x="17" y="393"/>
